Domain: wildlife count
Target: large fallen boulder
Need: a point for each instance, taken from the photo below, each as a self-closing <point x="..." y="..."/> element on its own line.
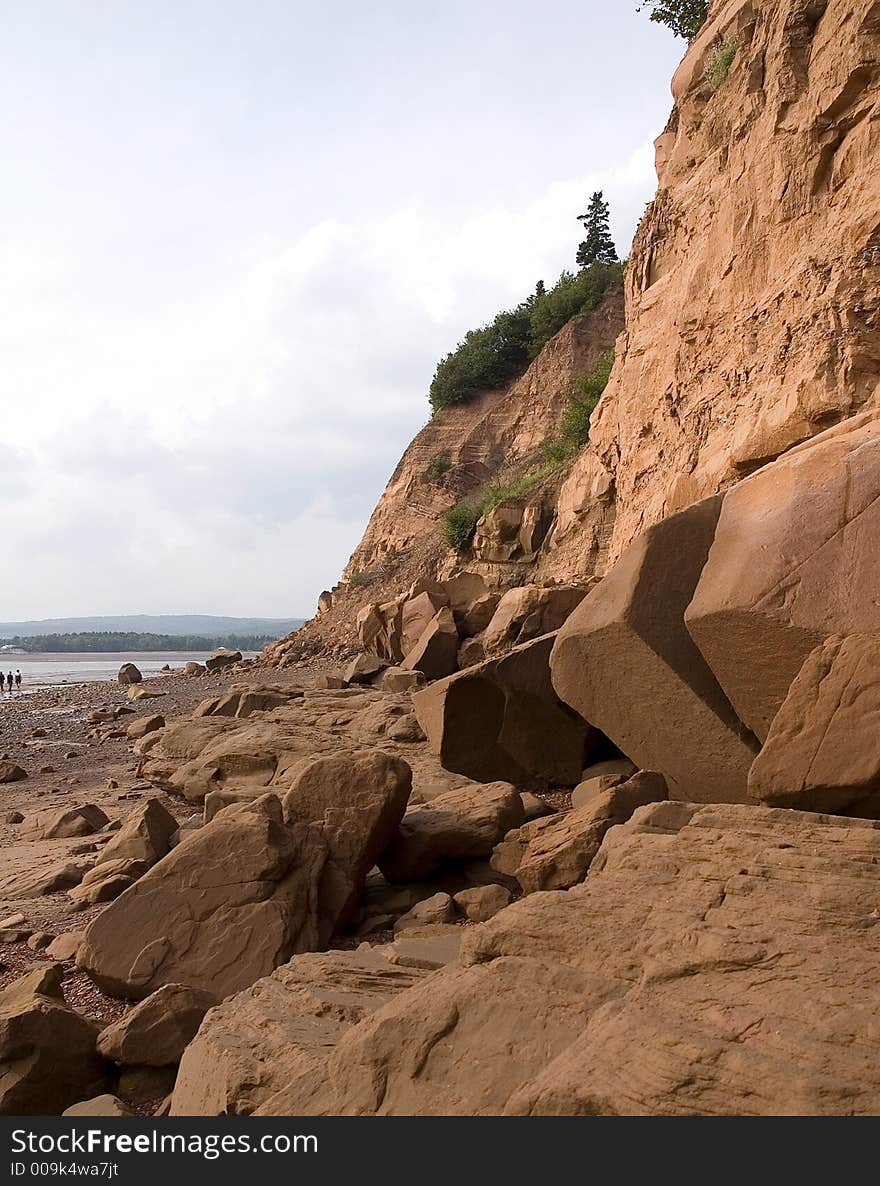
<point x="241" y="700"/>
<point x="821" y="753"/>
<point x="416" y="615"/>
<point x="129" y="674"/>
<point x="156" y="1032"/>
<point x="455" y="827"/>
<point x="47" y="1051"/>
<point x="718" y="960"/>
<point x="53" y="823"/>
<point x="145" y="835"/>
<point x="556" y="851"/>
<point x="253" y="1044"/>
<point x="501" y="719"/>
<point x="358" y="799"/>
<point x="529" y="611"/>
<point x="793" y="562"/>
<point x="435" y="653"/>
<point x="626" y="663"/>
<point x="239" y="898"/>
<point x="221" y="659"/>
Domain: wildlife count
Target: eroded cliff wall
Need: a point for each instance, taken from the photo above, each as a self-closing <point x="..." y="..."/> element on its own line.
<point x="751" y="320"/>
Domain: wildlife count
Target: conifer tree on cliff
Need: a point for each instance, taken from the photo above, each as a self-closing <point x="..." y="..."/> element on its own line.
<point x="598" y="244"/>
<point x="684" y="17"/>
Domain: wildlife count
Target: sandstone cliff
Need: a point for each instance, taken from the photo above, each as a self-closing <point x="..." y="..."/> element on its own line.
<point x="751" y="319"/>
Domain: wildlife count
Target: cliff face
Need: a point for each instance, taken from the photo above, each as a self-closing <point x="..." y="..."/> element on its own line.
<point x="752" y="294"/>
<point x="751" y="316"/>
<point x="498" y="434"/>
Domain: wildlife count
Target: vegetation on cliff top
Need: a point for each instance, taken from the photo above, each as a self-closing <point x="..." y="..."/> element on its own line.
<point x="684" y="17"/>
<point x="499" y="352"/>
<point x="460" y="521"/>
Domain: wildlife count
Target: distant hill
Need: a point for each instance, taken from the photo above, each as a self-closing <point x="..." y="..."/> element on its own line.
<point x="178" y="624"/>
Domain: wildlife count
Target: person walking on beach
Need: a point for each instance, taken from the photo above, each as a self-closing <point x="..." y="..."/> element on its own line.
<point x="9" y="682"/>
<point x="17" y="680"/>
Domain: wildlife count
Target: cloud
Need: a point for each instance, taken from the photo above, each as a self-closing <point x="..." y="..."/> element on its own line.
<point x="221" y="450"/>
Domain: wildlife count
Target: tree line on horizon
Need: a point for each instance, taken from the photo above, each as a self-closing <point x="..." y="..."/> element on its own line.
<point x="108" y="641"/>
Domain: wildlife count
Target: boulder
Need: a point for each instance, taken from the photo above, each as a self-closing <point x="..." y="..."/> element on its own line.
<point x="145" y="835"/>
<point x="477" y="617"/>
<point x="138" y="729"/>
<point x="40" y="880"/>
<point x="821" y="753"/>
<point x="601" y="776"/>
<point x="435" y="654"/>
<point x="398" y="679"/>
<point x="482" y="902"/>
<point x="331" y="682"/>
<point x="221" y="659"/>
<point x="529" y="611"/>
<point x="53" y="823"/>
<point x="129" y="674"/>
<point x="11" y="772"/>
<point x="242" y="700"/>
<point x="406" y="729"/>
<point x="193" y="668"/>
<point x="556" y="852"/>
<point x="107" y="881"/>
<point x="439" y="908"/>
<point x="239" y="898"/>
<point x="502" y="720"/>
<point x="679" y="979"/>
<point x="358" y="800"/>
<point x="253" y="1044"/>
<point x="363" y="669"/>
<point x="792" y="563"/>
<point x="156" y="1031"/>
<point x="626" y="663"/>
<point x="47" y="1051"/>
<point x="65" y="947"/>
<point x="100" y="1105"/>
<point x="457" y="826"/>
<point x="417" y="613"/>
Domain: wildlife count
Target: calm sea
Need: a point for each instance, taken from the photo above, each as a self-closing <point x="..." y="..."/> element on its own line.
<point x="45" y="671"/>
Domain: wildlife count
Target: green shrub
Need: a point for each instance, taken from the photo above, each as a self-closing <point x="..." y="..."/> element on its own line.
<point x="574" y="427"/>
<point x="720" y="60"/>
<point x="361" y="577"/>
<point x="684" y="17"/>
<point x="489" y="357"/>
<point x="459" y="525"/>
<point x="498" y="492"/>
<point x="438" y="466"/>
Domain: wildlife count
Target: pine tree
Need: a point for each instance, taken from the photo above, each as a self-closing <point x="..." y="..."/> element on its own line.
<point x="684" y="17"/>
<point x="598" y="244"/>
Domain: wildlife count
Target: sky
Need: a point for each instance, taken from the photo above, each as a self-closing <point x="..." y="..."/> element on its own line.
<point x="235" y="239"/>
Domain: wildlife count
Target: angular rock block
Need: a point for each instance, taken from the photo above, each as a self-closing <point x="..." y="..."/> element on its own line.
<point x="822" y="752"/>
<point x="435" y="654"/>
<point x="47" y="1051"/>
<point x="229" y="905"/>
<point x="502" y="720"/>
<point x="556" y="851"/>
<point x="458" y="826"/>
<point x="358" y="800"/>
<point x="626" y="663"/>
<point x="794" y="561"/>
<point x="156" y="1032"/>
<point x="528" y="612"/>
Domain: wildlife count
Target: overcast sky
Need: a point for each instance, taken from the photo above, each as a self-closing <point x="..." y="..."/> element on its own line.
<point x="235" y="237"/>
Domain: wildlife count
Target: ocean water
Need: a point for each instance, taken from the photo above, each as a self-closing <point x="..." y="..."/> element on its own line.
<point x="47" y="670"/>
